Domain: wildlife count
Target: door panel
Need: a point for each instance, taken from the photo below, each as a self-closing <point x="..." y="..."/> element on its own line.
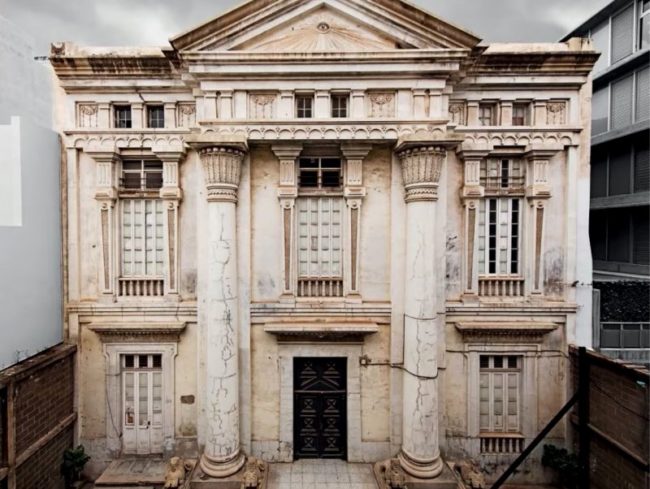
<point x="320" y="408"/>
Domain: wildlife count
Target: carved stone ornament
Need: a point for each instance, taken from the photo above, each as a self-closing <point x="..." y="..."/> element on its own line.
<point x="221" y="169"/>
<point x="175" y="475"/>
<point x="392" y="474"/>
<point x="457" y="113"/>
<point x="187" y="109"/>
<point x="556" y="113"/>
<point x="382" y="104"/>
<point x="57" y="49"/>
<point x="88" y="109"/>
<point x="253" y="474"/>
<point x="421" y="169"/>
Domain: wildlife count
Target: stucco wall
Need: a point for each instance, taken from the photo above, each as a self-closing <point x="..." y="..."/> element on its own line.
<point x="30" y="223"/>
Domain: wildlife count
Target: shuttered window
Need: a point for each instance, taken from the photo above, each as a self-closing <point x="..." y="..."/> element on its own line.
<point x="142" y="238"/>
<point x="500" y="394"/>
<point x="622" y="102"/>
<point x="641" y="231"/>
<point x="620" y="169"/>
<point x="600" y="40"/>
<point x="618" y="236"/>
<point x="643" y="95"/>
<point x="499" y="236"/>
<point x="622" y="34"/>
<point x="600" y="111"/>
<point x="642" y="165"/>
<point x="319" y="237"/>
<point x="598" y="234"/>
<point x="598" y="173"/>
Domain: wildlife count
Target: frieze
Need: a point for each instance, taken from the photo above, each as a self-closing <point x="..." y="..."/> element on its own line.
<point x="127" y="332"/>
<point x="489" y="139"/>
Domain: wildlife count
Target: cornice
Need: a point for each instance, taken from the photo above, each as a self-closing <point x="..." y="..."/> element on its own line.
<point x="152" y="331"/>
<point x="140" y="309"/>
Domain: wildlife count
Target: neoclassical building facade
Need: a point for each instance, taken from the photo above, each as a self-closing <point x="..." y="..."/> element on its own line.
<point x="325" y="229"/>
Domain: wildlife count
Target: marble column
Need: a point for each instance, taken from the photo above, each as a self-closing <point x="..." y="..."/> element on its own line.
<point x="420" y="454"/>
<point x="222" y="455"/>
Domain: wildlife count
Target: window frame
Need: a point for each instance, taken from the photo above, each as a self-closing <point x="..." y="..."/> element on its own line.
<point x="158" y="107"/>
<point x="492" y="371"/>
<point x="143" y="172"/>
<point x="338" y="97"/>
<point x="319" y="188"/>
<point x="120" y="123"/>
<point x="304" y="112"/>
<point x="526" y="117"/>
<point x="492" y="106"/>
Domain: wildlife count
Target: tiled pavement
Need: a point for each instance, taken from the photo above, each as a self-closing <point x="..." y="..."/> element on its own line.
<point x="321" y="474"/>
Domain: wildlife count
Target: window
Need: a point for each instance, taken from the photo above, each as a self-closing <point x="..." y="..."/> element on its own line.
<point x="643" y="94"/>
<point x="499" y="236"/>
<point x="486" y="114"/>
<point x="600" y="39"/>
<point x="340" y="106"/>
<point x="600" y="111"/>
<point x="122" y="114"/>
<point x="141" y="175"/>
<point x="142" y="238"/>
<point x="520" y="114"/>
<point x="500" y="394"/>
<point x="320" y="252"/>
<point x="320" y="173"/>
<point x="155" y="116"/>
<point x="622" y="96"/>
<point x="642" y="165"/>
<point x="304" y="106"/>
<point x="622" y="34"/>
<point x="644" y="25"/>
<point x="502" y="176"/>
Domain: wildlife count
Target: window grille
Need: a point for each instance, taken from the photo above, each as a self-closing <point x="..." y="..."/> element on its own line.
<point x="141" y="175"/>
<point x="320" y="251"/>
<point x="339" y="106"/>
<point x="486" y="114"/>
<point x="304" y="106"/>
<point x="122" y="116"/>
<point x="500" y="394"/>
<point x="499" y="236"/>
<point x="155" y="116"/>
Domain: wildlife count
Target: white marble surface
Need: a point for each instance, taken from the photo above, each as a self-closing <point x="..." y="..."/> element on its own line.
<point x="321" y="474"/>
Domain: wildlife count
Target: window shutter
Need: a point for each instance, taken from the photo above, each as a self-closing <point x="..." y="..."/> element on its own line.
<point x="622" y="102"/>
<point x="641" y="237"/>
<point x="319" y="237"/>
<point x="599" y="111"/>
<point x="642" y="167"/>
<point x="622" y="34"/>
<point x="643" y="95"/>
<point x="620" y="160"/>
<point x="600" y="39"/>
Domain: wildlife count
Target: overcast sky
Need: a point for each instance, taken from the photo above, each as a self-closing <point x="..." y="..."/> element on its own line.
<point x="153" y="22"/>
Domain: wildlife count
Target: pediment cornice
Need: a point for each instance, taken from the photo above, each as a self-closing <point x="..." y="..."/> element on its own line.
<point x="371" y="25"/>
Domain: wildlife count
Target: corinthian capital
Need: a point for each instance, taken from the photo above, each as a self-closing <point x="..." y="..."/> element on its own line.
<point x="221" y="170"/>
<point x="421" y="167"/>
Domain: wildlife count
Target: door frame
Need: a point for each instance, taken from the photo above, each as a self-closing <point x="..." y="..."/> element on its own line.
<point x="343" y="361"/>
<point x="114" y="414"/>
<point x="358" y="450"/>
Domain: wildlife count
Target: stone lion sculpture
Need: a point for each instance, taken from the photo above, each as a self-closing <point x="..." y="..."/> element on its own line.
<point x="175" y="475"/>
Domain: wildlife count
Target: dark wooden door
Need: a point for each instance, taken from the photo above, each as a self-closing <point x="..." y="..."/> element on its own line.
<point x="320" y="408"/>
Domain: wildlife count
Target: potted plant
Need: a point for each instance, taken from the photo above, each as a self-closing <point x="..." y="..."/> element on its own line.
<point x="564" y="463"/>
<point x="74" y="460"/>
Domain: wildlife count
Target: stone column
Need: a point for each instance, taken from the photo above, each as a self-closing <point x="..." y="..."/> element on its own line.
<point x="420" y="454"/>
<point x="218" y="308"/>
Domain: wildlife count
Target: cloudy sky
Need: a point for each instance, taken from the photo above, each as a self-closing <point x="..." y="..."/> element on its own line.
<point x="152" y="22"/>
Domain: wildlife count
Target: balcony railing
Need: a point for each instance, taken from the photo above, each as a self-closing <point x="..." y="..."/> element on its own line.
<point x="503" y="185"/>
<point x="320" y="287"/>
<point x="624" y="335"/>
<point x="502" y="444"/>
<point x="141" y="287"/>
<point x="499" y="286"/>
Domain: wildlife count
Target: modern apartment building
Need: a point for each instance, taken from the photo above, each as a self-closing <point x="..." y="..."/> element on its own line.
<point x="620" y="176"/>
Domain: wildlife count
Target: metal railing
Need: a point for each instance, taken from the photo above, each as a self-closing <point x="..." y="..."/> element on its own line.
<point x="621" y="334"/>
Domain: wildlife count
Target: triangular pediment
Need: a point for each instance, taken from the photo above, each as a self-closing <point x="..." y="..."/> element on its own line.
<point x="322" y="26"/>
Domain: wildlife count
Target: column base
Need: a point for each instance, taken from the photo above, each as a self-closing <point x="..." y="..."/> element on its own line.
<point x="222" y="467"/>
<point x="391" y="475"/>
<point x="422" y="469"/>
<point x="253" y="474"/>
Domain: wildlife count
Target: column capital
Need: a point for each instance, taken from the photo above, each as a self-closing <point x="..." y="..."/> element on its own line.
<point x="221" y="170"/>
<point x="421" y="168"/>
